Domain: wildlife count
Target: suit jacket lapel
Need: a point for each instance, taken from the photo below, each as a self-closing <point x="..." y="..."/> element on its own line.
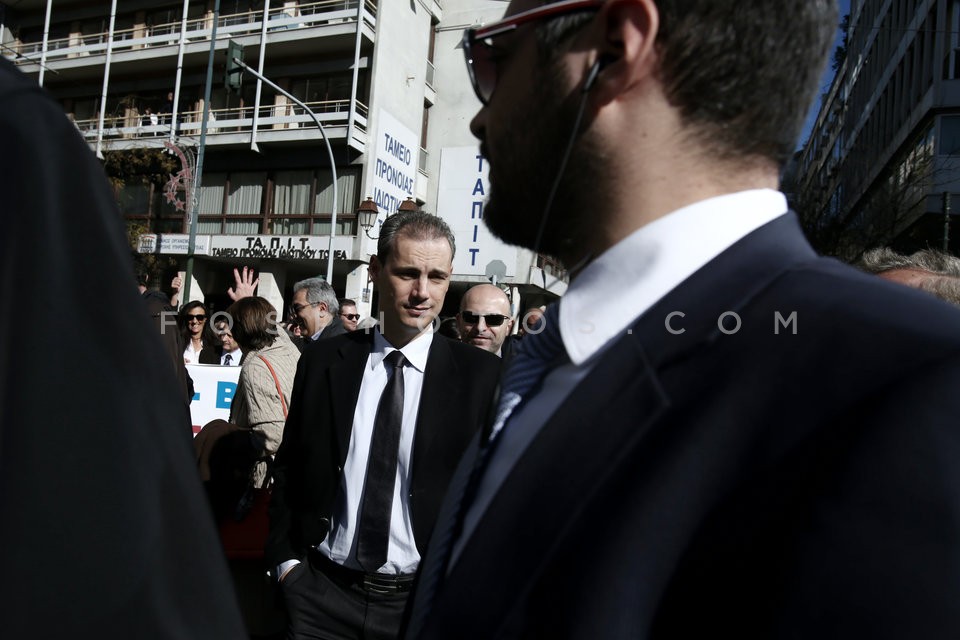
<point x="563" y="466"/>
<point x="345" y="377"/>
<point x="439" y="382"/>
<point x="612" y="413"/>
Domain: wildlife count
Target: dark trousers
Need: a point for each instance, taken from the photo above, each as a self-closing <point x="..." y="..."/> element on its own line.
<point x="321" y="604"/>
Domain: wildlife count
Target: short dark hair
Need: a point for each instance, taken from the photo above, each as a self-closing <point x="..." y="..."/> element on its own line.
<point x="348" y="302"/>
<point x="418" y="225"/>
<point x="742" y="73"/>
<point x="254" y="323"/>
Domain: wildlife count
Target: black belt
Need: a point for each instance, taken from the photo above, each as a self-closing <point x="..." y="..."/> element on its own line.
<point x="379" y="583"/>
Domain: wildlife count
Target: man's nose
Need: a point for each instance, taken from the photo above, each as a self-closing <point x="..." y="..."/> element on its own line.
<point x="478" y="124"/>
<point x="420" y="287"/>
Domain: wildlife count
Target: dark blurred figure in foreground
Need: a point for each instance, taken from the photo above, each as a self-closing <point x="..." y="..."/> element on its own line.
<point x="928" y="270"/>
<point x="105" y="533"/>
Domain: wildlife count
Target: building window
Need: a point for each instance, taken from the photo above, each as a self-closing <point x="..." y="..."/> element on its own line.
<point x="210" y="196"/>
<point x="293" y="202"/>
<point x="291" y="193"/>
<point x="950" y="136"/>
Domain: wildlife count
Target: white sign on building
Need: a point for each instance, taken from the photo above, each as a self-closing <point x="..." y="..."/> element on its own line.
<point x="394" y="166"/>
<point x="172" y="244"/>
<point x="461" y="197"/>
<point x="287" y="247"/>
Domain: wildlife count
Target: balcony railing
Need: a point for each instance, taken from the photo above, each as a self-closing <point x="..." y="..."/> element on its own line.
<point x="235" y="120"/>
<point x="305" y="16"/>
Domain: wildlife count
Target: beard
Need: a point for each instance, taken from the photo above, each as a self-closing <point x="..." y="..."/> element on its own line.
<point x="527" y="153"/>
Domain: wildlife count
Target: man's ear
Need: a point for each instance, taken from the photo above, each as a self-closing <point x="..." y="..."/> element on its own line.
<point x="627" y="55"/>
<point x="373" y="271"/>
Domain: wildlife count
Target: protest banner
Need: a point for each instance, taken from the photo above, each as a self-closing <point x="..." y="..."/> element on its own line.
<point x="213" y="389"/>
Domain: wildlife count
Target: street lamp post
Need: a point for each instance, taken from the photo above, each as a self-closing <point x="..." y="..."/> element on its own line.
<point x="367" y="213"/>
<point x="193" y="201"/>
<point x="333" y="165"/>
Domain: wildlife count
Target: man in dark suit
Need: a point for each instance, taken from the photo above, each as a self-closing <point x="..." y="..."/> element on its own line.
<point x="227" y="353"/>
<point x="717" y="433"/>
<point x="106" y="532"/>
<point x="352" y="511"/>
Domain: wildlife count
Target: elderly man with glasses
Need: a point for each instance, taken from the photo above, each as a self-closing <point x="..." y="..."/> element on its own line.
<point x="315" y="308"/>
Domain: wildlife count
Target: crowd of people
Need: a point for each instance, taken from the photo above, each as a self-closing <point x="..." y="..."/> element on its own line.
<point x="267" y="346"/>
<point x="714" y="431"/>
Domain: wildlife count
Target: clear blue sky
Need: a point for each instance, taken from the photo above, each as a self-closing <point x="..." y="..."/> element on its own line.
<point x="825" y="83"/>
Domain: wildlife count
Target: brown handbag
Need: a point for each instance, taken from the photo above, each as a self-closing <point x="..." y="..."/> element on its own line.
<point x="244" y="535"/>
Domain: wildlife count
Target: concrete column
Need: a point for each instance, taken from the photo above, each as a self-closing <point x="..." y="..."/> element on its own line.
<point x="196" y="293"/>
<point x="357" y="284"/>
<point x="271" y="288"/>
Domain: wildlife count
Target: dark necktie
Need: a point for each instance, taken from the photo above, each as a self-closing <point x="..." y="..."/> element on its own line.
<point x="226" y="359"/>
<point x="532" y="359"/>
<point x="535" y="356"/>
<point x="377" y="504"/>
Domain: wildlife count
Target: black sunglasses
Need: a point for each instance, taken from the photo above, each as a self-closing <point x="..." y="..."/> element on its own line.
<point x="350" y="316"/>
<point x="478" y="41"/>
<point x="295" y="309"/>
<point x="199" y="317"/>
<point x="492" y="319"/>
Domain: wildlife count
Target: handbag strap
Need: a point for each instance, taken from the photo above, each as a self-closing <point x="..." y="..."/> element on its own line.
<point x="276" y="381"/>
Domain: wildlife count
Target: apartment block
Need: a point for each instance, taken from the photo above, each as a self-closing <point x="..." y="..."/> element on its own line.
<point x="882" y="165"/>
<point x="385" y="80"/>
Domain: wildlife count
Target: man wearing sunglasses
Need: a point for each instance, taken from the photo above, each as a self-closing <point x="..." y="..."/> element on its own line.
<point x="717" y="432"/>
<point x="484" y="318"/>
<point x="348" y="314"/>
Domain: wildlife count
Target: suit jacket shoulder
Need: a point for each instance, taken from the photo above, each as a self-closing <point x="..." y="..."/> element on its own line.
<point x="765" y="472"/>
<point x="211" y="355"/>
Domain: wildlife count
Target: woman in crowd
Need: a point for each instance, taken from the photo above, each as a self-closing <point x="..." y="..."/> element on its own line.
<point x="266" y="380"/>
<point x="196" y="331"/>
<point x="240" y="464"/>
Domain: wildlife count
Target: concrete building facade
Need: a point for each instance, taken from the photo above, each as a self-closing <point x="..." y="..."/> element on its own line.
<point x="385" y="79"/>
<point x="885" y="148"/>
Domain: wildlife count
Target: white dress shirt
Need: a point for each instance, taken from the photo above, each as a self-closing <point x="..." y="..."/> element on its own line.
<point x="340" y="543"/>
<point x="191" y="355"/>
<point x="609" y="295"/>
<point x="235" y="356"/>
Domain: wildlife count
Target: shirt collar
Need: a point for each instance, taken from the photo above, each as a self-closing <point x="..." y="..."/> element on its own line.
<point x="415" y="351"/>
<point x="630" y="277"/>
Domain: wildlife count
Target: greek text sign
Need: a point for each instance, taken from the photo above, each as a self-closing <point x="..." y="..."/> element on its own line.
<point x="289" y="247"/>
<point x="172" y="243"/>
<point x="395" y="159"/>
<point x="461" y="198"/>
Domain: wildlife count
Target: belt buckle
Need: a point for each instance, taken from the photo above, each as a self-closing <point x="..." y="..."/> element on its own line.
<point x="379" y="585"/>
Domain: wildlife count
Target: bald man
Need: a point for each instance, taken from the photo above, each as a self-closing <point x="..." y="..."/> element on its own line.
<point x="484" y="318"/>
